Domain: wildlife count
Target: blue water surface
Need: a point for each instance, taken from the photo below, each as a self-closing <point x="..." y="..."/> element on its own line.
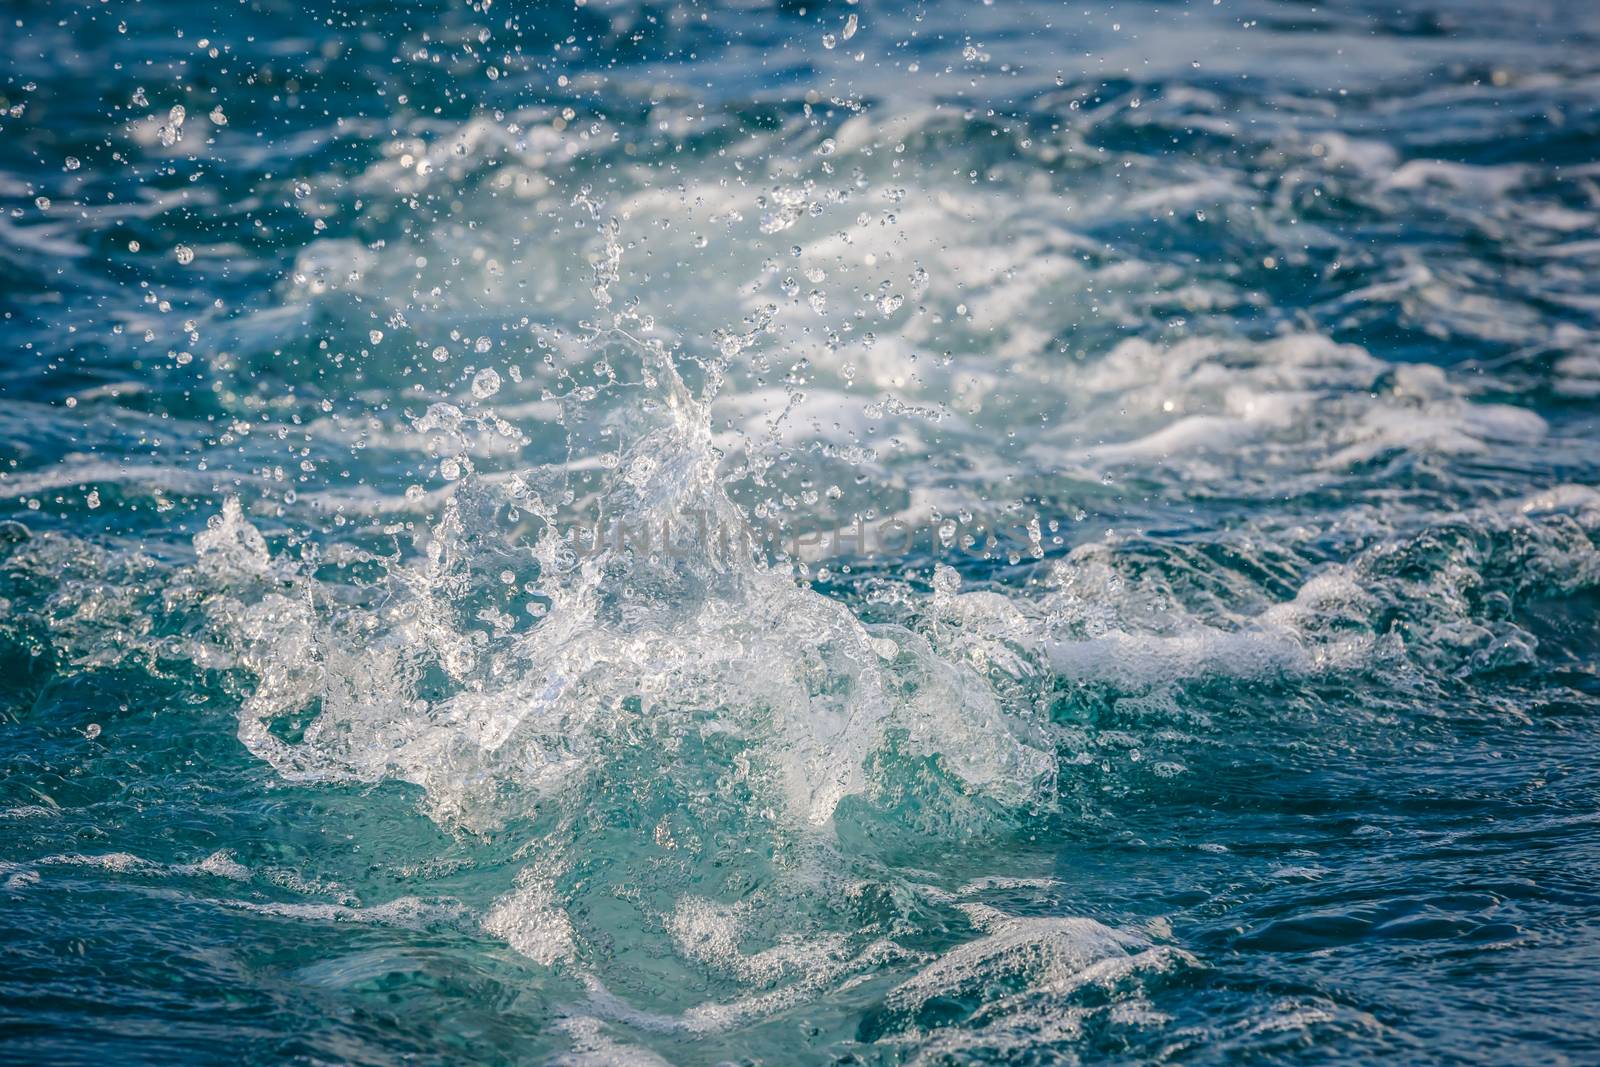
<point x="1230" y="367"/>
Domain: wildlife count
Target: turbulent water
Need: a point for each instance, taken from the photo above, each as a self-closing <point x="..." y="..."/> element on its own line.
<point x="956" y="532"/>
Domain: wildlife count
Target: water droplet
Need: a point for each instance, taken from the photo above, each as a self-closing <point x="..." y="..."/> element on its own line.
<point x="486" y="383"/>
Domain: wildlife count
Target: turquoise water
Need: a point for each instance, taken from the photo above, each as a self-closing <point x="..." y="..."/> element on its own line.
<point x="629" y="533"/>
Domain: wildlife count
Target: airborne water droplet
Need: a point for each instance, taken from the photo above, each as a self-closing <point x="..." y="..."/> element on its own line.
<point x="486" y="383"/>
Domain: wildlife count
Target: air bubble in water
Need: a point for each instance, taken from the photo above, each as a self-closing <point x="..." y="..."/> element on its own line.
<point x="375" y="336"/>
<point x="73" y="163"/>
<point x="482" y="345"/>
<point x="441" y="353"/>
<point x="185" y="254"/>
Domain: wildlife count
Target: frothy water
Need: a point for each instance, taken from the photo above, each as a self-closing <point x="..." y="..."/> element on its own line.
<point x="636" y="534"/>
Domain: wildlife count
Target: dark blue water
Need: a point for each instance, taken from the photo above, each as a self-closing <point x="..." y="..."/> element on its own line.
<point x="1211" y="672"/>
